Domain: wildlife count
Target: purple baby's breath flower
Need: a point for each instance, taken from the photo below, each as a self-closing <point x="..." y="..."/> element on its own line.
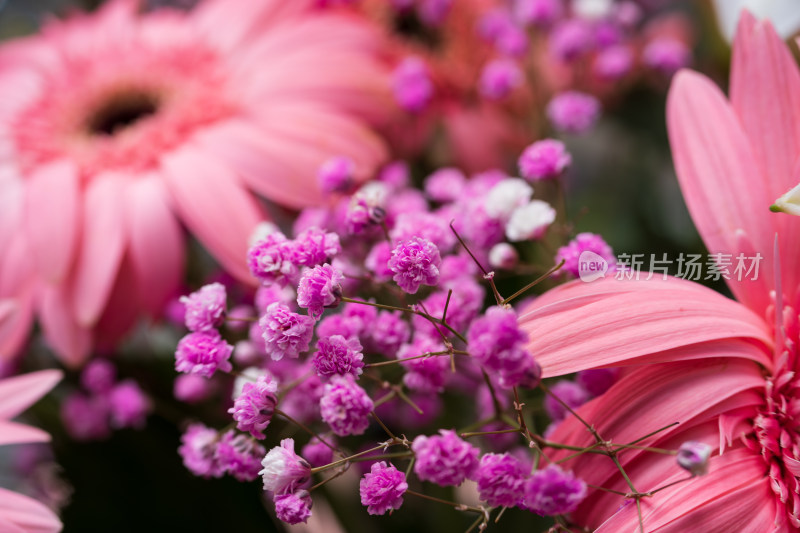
<point x="239" y="456"/>
<point x="444" y="459"/>
<point x="503" y="255"/>
<point x="412" y="85"/>
<point x="424" y="374"/>
<point x="496" y="342"/>
<point x="314" y="247"/>
<point x="345" y="406"/>
<point x="428" y="226"/>
<point x="283" y="470"/>
<point x="613" y="63"/>
<point x="543" y="160"/>
<point x="570" y="393"/>
<point x="253" y="408"/>
<point x="596" y="381"/>
<point x="445" y="185"/>
<point x="382" y="488"/>
<point x="571" y="39"/>
<point x="666" y="55"/>
<point x="198" y="451"/>
<point x="202" y="353"/>
<point x="377" y="261"/>
<point x="269" y="259"/>
<point x="128" y="405"/>
<point x="317" y="453"/>
<point x="499" y="78"/>
<point x="336" y="174"/>
<point x="99" y="376"/>
<point x="389" y="332"/>
<point x="320" y="287"/>
<point x="337" y="355"/>
<point x="285" y="334"/>
<point x="293" y="508"/>
<point x="693" y="457"/>
<point x="265" y="296"/>
<point x="205" y="308"/>
<point x="415" y="262"/>
<point x="551" y="491"/>
<point x="512" y="41"/>
<point x="584" y="242"/>
<point x="85" y="417"/>
<point x="540" y="13"/>
<point x="573" y="111"/>
<point x="530" y="221"/>
<point x="191" y="388"/>
<point x="346" y="326"/>
<point x="501" y="480"/>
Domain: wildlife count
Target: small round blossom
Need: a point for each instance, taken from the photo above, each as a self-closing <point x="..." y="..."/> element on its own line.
<point x="512" y="41"/>
<point x="428" y="226"/>
<point x="85" y="417"/>
<point x="573" y="111"/>
<point x="336" y="174"/>
<point x="424" y="374"/>
<point x="191" y="388"/>
<point x="445" y="185"/>
<point x="377" y="261"/>
<point x="613" y="63"/>
<point x="285" y="334"/>
<point x="415" y="262"/>
<point x="569" y="392"/>
<point x="317" y="453"/>
<point x="543" y="160"/>
<point x="412" y="85"/>
<point x="497" y="343"/>
<point x="269" y="259"/>
<point x="202" y="353"/>
<point x="339" y="324"/>
<point x="395" y="174"/>
<point x="198" y="450"/>
<point x="266" y="295"/>
<point x="314" y="246"/>
<point x="492" y="23"/>
<point x="666" y="55"/>
<point x="389" y="332"/>
<point x="320" y="287"/>
<point x="501" y="479"/>
<point x="551" y="491"/>
<point x="540" y="13"/>
<point x="253" y="408"/>
<point x="584" y="242"/>
<point x="596" y="381"/>
<point x="99" y="376"/>
<point x="337" y="355"/>
<point x="499" y="78"/>
<point x="571" y="39"/>
<point x="128" y="404"/>
<point x="530" y="221"/>
<point x="465" y="304"/>
<point x="205" y="308"/>
<point x="283" y="470"/>
<point x="345" y="406"/>
<point x="239" y="456"/>
<point x="293" y="508"/>
<point x="693" y="456"/>
<point x="382" y="488"/>
<point x="503" y="255"/>
<point x="444" y="459"/>
<point x="507" y="196"/>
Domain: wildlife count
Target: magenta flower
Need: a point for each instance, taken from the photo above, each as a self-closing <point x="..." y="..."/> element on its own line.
<point x="283" y="470"/>
<point x="337" y="355"/>
<point x="543" y="160"/>
<point x="415" y="262"/>
<point x="499" y="78"/>
<point x="128" y="405"/>
<point x="584" y="242"/>
<point x="693" y="456"/>
<point x="345" y="406"/>
<point x="336" y="175"/>
<point x="314" y="246"/>
<point x="237" y="455"/>
<point x="320" y="287"/>
<point x="413" y="88"/>
<point x="720" y="367"/>
<point x="569" y="392"/>
<point x="270" y="259"/>
<point x="203" y="353"/>
<point x="573" y="111"/>
<point x="444" y="459"/>
<point x="205" y="308"/>
<point x="293" y="508"/>
<point x="99" y="376"/>
<point x="285" y="334"/>
<point x="496" y="342"/>
<point x="116" y="151"/>
<point x="501" y="479"/>
<point x="198" y="451"/>
<point x="551" y="491"/>
<point x="382" y="488"/>
<point x="252" y="410"/>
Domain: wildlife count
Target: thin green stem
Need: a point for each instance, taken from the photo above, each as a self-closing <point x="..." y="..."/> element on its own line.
<point x="538" y="280"/>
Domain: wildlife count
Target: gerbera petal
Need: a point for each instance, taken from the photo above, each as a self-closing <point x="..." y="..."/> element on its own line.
<point x="102" y="246"/>
<point x="27" y="514"/>
<point x="52" y="218"/>
<point x="71" y="341"/>
<point x="156" y="244"/>
<point x="614" y="322"/>
<point x="214" y="205"/>
<point x="722" y="183"/>
<point x="14" y="433"/>
<point x="11" y="201"/>
<point x="20" y="392"/>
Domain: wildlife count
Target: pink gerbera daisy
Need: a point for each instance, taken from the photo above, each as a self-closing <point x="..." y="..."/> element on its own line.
<point x="119" y="127"/>
<point x="725" y="371"/>
<point x="20" y="513"/>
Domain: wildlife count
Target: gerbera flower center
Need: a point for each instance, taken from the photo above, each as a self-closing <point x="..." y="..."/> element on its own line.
<point x="121" y="111"/>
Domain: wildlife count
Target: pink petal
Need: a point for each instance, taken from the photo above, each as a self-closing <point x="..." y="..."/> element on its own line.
<point x="612" y="323"/>
<point x="214" y="205"/>
<point x="156" y="243"/>
<point x="721" y="181"/>
<point x="27" y="514"/>
<point x="102" y="246"/>
<point x="119" y="316"/>
<point x="71" y="341"/>
<point x="52" y="218"/>
<point x="20" y="392"/>
<point x="11" y="206"/>
<point x="14" y="433"/>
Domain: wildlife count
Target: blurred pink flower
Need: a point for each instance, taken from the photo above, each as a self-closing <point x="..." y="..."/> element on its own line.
<point x="121" y="128"/>
<point x="18" y="513"/>
<point x="724" y="370"/>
